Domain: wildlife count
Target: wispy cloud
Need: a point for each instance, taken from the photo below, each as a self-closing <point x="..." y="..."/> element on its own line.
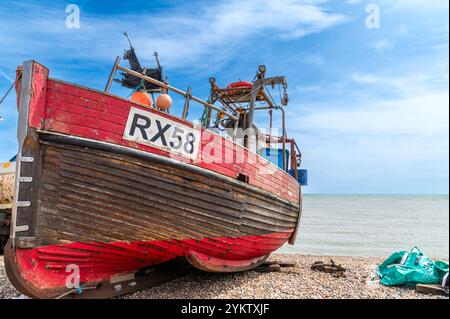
<point x="382" y="45"/>
<point x="424" y="115"/>
<point x="315" y="60"/>
<point x="188" y="36"/>
<point x="377" y="145"/>
<point x="368" y="107"/>
<point x="415" y="5"/>
<point x="309" y="89"/>
<point x="189" y="33"/>
<point x="365" y="78"/>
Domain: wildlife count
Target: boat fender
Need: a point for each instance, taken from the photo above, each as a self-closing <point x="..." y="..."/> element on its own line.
<point x="164" y="101"/>
<point x="142" y="98"/>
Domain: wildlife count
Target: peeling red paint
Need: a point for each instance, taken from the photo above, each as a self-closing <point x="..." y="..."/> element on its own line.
<point x="45" y="267"/>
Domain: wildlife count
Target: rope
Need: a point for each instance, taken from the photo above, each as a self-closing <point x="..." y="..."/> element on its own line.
<point x="218" y="121"/>
<point x="136" y="88"/>
<point x="78" y="290"/>
<point x="204" y="117"/>
<point x="10" y="88"/>
<point x="279" y="92"/>
<point x="270" y="95"/>
<point x="153" y="99"/>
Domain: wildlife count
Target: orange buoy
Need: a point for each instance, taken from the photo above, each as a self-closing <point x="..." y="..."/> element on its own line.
<point x="164" y="101"/>
<point x="141" y="98"/>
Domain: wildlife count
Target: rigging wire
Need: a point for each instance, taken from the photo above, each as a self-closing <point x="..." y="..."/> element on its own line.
<point x="271" y="98"/>
<point x="10" y="88"/>
<point x="136" y="88"/>
<point x="279" y="92"/>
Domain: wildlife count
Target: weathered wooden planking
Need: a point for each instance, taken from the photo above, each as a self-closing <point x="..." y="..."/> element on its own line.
<point x="82" y="112"/>
<point x="91" y="195"/>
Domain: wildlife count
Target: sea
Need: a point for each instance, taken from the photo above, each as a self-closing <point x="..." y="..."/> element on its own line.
<point x="372" y="225"/>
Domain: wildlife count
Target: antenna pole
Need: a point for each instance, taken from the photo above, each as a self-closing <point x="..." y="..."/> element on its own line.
<point x="157" y="59"/>
<point x="128" y="38"/>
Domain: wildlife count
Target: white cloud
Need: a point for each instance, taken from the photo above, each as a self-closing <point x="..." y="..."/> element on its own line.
<point x="187" y="34"/>
<point x="402" y="30"/>
<point x="353" y="1"/>
<point x="315" y="60"/>
<point x="365" y="78"/>
<point x="377" y="145"/>
<point x="382" y="45"/>
<point x="424" y="115"/>
<point x="388" y="133"/>
<point x="416" y="5"/>
<point x="309" y="89"/>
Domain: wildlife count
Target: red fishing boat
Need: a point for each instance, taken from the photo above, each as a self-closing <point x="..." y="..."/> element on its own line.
<point x="107" y="187"/>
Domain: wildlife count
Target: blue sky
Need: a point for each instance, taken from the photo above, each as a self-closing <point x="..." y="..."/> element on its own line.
<point x="369" y="107"/>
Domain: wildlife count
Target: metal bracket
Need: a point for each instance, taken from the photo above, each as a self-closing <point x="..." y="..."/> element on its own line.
<point x="21" y="228"/>
<point x="25" y="179"/>
<point x="22" y="132"/>
<point x="25" y="242"/>
<point x="25" y="203"/>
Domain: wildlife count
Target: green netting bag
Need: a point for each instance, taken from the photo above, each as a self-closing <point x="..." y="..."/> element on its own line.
<point x="403" y="268"/>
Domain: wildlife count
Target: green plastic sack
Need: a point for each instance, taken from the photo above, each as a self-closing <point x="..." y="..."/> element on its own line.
<point x="403" y="268"/>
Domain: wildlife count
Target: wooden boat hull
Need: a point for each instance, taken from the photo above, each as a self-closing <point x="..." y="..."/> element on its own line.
<point x="113" y="207"/>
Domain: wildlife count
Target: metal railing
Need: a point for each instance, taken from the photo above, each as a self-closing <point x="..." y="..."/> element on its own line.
<point x="283" y="127"/>
<point x="186" y="94"/>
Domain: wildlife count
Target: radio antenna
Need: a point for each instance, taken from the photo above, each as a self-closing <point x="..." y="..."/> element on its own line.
<point x="128" y="38"/>
<point x="157" y="59"/>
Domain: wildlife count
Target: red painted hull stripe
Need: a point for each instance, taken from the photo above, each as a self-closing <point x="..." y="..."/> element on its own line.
<point x="45" y="267"/>
<point x="77" y="111"/>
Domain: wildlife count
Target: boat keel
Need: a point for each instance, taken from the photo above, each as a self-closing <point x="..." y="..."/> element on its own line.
<point x="116" y="286"/>
<point x="213" y="264"/>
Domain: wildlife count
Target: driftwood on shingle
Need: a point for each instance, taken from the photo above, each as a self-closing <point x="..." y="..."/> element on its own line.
<point x="333" y="269"/>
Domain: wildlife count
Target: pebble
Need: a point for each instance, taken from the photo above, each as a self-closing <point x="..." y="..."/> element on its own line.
<point x="7" y="291"/>
<point x="299" y="282"/>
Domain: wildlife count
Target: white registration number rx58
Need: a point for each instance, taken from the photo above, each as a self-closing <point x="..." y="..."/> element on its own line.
<point x="154" y="130"/>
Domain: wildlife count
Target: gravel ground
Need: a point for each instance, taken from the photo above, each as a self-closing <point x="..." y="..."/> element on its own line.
<point x="7" y="291"/>
<point x="297" y="282"/>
